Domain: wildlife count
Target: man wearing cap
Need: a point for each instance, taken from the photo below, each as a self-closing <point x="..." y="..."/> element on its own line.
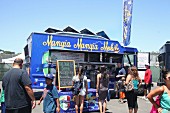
<point x="17" y="89"/>
<point x="147" y="80"/>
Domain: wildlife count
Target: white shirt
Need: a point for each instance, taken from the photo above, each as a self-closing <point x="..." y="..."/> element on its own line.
<point x="83" y="89"/>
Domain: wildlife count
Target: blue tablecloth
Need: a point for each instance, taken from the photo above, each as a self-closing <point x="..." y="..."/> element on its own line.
<point x="67" y="105"/>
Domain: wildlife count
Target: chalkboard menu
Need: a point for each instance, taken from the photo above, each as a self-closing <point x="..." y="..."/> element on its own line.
<point x="66" y="71"/>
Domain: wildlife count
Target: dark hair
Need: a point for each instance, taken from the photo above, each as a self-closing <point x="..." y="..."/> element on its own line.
<point x="18" y="61"/>
<point x="79" y="70"/>
<point x="103" y="72"/>
<point x="164" y="74"/>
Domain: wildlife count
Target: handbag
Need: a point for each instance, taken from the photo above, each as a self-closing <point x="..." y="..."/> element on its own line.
<point x="153" y="109"/>
<point x="129" y="86"/>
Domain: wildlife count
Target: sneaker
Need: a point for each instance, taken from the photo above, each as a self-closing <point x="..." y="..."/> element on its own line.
<point x="146" y="99"/>
<point x="143" y="98"/>
<point x="116" y="96"/>
<point x="120" y="101"/>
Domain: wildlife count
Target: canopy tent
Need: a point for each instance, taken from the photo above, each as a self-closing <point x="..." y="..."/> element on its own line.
<point x="11" y="60"/>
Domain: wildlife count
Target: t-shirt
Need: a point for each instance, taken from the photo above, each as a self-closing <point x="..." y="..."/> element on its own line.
<point x="148" y="76"/>
<point x="50" y="94"/>
<point x="104" y="83"/>
<point x="119" y="71"/>
<point x="83" y="89"/>
<point x="13" y="83"/>
<point x="122" y="71"/>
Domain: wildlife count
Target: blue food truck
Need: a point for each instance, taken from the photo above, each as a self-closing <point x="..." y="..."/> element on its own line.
<point x="53" y="50"/>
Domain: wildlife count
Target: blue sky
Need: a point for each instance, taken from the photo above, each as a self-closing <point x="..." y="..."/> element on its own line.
<point x="150" y="20"/>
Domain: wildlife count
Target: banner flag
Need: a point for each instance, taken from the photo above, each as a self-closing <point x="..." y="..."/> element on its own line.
<point x="127" y="20"/>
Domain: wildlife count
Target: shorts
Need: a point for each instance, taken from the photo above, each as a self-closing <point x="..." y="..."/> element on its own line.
<point x="147" y="86"/>
<point x="118" y="86"/>
<point x="82" y="92"/>
<point x="103" y="95"/>
<point x="26" y="109"/>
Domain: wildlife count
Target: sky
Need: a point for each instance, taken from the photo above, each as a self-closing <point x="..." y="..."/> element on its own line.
<point x="150" y="20"/>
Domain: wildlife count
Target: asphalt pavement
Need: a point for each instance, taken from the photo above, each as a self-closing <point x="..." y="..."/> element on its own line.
<point x="115" y="107"/>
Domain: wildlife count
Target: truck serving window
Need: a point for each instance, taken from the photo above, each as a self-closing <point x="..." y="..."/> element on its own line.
<point x="129" y="59"/>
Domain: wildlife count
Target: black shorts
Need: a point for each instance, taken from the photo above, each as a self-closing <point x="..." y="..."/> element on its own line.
<point x="146" y="86"/>
<point x="26" y="109"/>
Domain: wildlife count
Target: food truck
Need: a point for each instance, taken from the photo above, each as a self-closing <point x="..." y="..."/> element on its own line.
<point x="164" y="61"/>
<point x="59" y="52"/>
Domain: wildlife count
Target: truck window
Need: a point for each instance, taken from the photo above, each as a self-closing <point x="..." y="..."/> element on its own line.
<point x="131" y="58"/>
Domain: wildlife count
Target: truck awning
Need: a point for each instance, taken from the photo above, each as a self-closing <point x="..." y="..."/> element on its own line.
<point x="130" y="50"/>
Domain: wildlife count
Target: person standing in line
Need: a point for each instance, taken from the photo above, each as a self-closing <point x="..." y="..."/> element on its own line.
<point x="163" y="92"/>
<point x="131" y="96"/>
<point x="50" y="96"/>
<point x="147" y="80"/>
<point x="119" y="71"/>
<point x="79" y="98"/>
<point x="17" y="90"/>
<point x="102" y="88"/>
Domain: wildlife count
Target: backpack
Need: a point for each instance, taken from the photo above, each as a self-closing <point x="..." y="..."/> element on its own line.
<point x="77" y="86"/>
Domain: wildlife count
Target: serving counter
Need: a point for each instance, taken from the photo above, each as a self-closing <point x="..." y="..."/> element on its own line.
<point x="67" y="104"/>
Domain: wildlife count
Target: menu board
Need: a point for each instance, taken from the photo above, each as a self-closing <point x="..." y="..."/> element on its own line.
<point x="143" y="58"/>
<point x="66" y="71"/>
<point x="59" y="55"/>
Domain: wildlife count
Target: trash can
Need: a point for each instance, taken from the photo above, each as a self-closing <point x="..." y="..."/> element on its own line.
<point x="88" y="83"/>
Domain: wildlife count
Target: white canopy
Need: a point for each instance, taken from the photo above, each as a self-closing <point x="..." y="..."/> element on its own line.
<point x="11" y="60"/>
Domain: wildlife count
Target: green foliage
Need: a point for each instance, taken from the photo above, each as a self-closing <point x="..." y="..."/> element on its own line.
<point x="9" y="52"/>
<point x="6" y="52"/>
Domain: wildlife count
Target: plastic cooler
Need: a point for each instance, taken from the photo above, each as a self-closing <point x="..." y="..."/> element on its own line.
<point x="88" y="83"/>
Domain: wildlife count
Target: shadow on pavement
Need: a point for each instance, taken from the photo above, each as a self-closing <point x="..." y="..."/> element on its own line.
<point x="38" y="95"/>
<point x="97" y="111"/>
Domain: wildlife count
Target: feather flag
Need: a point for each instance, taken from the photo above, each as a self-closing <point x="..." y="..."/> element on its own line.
<point x="127" y="20"/>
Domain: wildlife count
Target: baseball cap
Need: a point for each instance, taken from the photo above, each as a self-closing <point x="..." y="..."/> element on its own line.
<point x="147" y="64"/>
<point x="50" y="76"/>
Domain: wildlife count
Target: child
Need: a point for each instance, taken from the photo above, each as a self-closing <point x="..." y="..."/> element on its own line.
<point x="122" y="93"/>
<point x="50" y="96"/>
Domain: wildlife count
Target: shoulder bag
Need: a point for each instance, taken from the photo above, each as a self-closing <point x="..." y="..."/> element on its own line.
<point x="129" y="86"/>
<point x="153" y="109"/>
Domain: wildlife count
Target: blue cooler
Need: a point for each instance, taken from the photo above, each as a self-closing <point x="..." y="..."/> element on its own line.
<point x="88" y="83"/>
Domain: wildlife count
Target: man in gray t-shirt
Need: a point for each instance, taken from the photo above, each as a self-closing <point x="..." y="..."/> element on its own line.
<point x="17" y="89"/>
